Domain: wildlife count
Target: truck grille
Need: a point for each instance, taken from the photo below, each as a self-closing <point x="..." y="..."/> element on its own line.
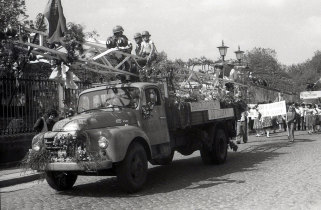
<point x="65" y="148"/>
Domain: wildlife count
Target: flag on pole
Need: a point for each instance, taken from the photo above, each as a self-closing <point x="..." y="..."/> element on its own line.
<point x="56" y="20"/>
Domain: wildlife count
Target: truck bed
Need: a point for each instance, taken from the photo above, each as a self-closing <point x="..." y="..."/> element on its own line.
<point x="186" y="114"/>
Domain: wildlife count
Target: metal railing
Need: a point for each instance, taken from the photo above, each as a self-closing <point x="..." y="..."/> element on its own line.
<point x="23" y="101"/>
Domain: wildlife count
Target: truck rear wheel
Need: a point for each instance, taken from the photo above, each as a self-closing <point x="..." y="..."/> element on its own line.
<point x="218" y="153"/>
<point x="132" y="171"/>
<point x="60" y="181"/>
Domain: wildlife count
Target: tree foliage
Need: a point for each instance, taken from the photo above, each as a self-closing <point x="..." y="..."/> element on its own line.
<point x="307" y="73"/>
<point x="11" y="11"/>
<point x="264" y="66"/>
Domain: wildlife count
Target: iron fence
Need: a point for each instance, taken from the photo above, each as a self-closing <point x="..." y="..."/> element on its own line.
<point x="23" y="101"/>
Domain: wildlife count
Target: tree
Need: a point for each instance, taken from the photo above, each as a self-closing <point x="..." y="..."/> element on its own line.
<point x="307" y="73"/>
<point x="265" y="67"/>
<point x="11" y="11"/>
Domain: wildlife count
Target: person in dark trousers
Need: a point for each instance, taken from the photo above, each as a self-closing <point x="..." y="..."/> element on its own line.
<point x="291" y="118"/>
<point x="46" y="122"/>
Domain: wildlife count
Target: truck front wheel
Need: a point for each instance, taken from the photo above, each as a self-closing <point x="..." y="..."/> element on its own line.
<point x="132" y="171"/>
<point x="218" y="153"/>
<point x="60" y="181"/>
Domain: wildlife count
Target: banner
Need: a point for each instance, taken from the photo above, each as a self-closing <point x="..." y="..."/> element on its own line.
<point x="272" y="109"/>
<point x="56" y="19"/>
<point x="310" y="95"/>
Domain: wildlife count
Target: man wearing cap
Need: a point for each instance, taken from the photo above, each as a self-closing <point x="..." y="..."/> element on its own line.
<point x="138" y="39"/>
<point x="148" y="49"/>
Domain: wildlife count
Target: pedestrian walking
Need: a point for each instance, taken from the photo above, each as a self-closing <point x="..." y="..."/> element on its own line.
<point x="291" y="117"/>
<point x="257" y="125"/>
<point x="267" y="125"/>
<point x="241" y="132"/>
<point x="297" y="116"/>
<point x="309" y="118"/>
<point x="302" y="110"/>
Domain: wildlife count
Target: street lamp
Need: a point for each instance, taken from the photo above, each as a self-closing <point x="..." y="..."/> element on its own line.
<point x="223" y="50"/>
<point x="239" y="55"/>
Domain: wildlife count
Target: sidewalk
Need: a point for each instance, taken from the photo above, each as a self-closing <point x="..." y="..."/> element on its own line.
<point x="14" y="176"/>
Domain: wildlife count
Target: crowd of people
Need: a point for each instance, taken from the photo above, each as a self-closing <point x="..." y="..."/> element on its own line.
<point x="303" y="117"/>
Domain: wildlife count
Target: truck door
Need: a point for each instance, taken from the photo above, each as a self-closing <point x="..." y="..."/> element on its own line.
<point x="155" y="125"/>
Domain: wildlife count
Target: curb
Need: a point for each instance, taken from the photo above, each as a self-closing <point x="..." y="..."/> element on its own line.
<point x="19" y="178"/>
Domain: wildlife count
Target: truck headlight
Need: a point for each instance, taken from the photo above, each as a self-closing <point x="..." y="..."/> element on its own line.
<point x="36" y="147"/>
<point x="103" y="142"/>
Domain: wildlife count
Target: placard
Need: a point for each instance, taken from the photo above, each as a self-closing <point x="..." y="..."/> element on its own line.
<point x="310" y="94"/>
<point x="204" y="105"/>
<point x="220" y="113"/>
<point x="272" y="109"/>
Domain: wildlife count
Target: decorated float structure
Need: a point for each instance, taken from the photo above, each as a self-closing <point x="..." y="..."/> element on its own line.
<point x="121" y="125"/>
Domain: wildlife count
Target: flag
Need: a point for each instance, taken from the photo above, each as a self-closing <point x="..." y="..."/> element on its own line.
<point x="56" y="20"/>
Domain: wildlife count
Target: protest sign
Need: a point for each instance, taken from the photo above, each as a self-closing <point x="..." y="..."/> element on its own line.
<point x="272" y="109"/>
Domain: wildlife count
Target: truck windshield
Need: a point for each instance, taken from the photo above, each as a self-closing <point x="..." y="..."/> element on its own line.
<point x="120" y="97"/>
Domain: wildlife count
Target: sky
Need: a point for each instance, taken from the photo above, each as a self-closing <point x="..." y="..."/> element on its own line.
<point x="193" y="28"/>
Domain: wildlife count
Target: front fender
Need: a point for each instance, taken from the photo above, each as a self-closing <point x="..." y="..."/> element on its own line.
<point x="119" y="138"/>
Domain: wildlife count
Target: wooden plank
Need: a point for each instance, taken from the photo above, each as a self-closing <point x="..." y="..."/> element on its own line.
<point x="109" y="68"/>
<point x="35" y="31"/>
<point x="204" y="105"/>
<point x="214" y="114"/>
<point x="104" y="53"/>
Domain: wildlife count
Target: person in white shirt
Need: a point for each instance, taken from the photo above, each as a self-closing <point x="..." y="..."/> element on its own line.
<point x="148" y="49"/>
<point x="301" y="111"/>
<point x="297" y="117"/>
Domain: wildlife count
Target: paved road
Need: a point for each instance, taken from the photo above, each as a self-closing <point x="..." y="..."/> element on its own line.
<point x="264" y="174"/>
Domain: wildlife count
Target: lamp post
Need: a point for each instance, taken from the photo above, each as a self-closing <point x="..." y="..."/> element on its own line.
<point x="239" y="55"/>
<point x="223" y="50"/>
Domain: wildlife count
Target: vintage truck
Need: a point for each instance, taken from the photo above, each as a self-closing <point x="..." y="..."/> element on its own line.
<point x="119" y="128"/>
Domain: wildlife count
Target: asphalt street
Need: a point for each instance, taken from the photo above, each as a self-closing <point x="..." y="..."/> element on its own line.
<point x="265" y="173"/>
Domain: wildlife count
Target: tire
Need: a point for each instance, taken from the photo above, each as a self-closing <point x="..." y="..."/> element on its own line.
<point x="206" y="155"/>
<point x="60" y="181"/>
<point x="218" y="153"/>
<point x="132" y="171"/>
<point x="163" y="161"/>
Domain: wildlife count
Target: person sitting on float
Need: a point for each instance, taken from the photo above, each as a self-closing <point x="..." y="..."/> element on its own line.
<point x="119" y="40"/>
<point x="148" y="49"/>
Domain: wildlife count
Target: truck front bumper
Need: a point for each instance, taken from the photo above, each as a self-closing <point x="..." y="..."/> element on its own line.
<point x="83" y="166"/>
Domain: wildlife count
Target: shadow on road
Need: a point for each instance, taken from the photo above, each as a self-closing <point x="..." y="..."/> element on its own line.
<point x="189" y="173"/>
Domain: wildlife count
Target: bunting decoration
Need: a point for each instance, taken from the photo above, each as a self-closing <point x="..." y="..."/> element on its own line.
<point x="63" y="75"/>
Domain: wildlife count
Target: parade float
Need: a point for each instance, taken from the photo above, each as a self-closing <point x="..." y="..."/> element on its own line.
<point x="121" y="125"/>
